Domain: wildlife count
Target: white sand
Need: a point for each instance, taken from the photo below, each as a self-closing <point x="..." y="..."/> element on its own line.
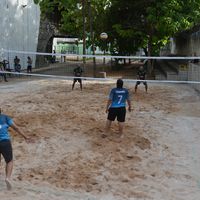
<point x="157" y="159"/>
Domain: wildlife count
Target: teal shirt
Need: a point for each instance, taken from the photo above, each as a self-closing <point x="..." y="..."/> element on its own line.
<point x="118" y="96"/>
<point x="5" y="123"/>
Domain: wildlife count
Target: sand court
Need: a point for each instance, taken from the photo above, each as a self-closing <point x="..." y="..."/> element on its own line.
<point x="158" y="158"/>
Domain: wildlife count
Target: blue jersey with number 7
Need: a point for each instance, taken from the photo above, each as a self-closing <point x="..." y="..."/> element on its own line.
<point x="118" y="96"/>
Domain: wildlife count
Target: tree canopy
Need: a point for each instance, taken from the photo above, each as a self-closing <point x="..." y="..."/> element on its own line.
<point x="130" y="24"/>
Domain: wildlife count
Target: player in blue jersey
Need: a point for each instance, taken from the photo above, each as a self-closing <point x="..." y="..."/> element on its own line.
<point x="116" y="106"/>
<point x="6" y="146"/>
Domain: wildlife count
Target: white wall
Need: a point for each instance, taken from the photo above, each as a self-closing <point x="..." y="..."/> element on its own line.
<point x="20" y="20"/>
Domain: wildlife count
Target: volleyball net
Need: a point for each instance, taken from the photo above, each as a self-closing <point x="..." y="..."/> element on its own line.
<point x="167" y="69"/>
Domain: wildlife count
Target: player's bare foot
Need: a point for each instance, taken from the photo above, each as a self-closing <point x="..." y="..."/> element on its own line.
<point x="121" y="136"/>
<point x="8" y="184"/>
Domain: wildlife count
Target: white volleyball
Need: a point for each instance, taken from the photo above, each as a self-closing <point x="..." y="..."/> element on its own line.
<point x="103" y="36"/>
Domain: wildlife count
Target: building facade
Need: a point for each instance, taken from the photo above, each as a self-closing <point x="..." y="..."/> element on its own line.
<point x="20" y="20"/>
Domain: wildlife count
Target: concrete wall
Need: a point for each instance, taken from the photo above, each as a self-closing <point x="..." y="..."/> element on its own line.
<point x="19" y="30"/>
<point x="194" y="75"/>
<point x="186" y="44"/>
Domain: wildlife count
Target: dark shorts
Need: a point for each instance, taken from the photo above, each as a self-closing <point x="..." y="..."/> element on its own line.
<point x="138" y="82"/>
<point x="6" y="150"/>
<point x="29" y="68"/>
<point x="120" y="113"/>
<point x="77" y="79"/>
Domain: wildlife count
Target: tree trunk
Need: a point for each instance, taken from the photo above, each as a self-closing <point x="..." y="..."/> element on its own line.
<point x="84" y="35"/>
<point x="150" y="61"/>
<point x="92" y="38"/>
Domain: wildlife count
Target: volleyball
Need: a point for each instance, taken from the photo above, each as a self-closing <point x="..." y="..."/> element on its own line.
<point x="103" y="36"/>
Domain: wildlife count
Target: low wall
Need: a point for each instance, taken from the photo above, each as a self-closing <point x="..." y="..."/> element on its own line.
<point x="183" y="70"/>
<point x="194" y="75"/>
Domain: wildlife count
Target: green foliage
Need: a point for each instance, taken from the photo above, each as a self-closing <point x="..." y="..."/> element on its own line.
<point x="151" y="22"/>
<point x="130" y="24"/>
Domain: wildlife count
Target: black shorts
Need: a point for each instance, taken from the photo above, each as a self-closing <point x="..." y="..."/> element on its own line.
<point x="77" y="79"/>
<point x="6" y="150"/>
<point x="29" y="68"/>
<point x="138" y="82"/>
<point x="120" y="113"/>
